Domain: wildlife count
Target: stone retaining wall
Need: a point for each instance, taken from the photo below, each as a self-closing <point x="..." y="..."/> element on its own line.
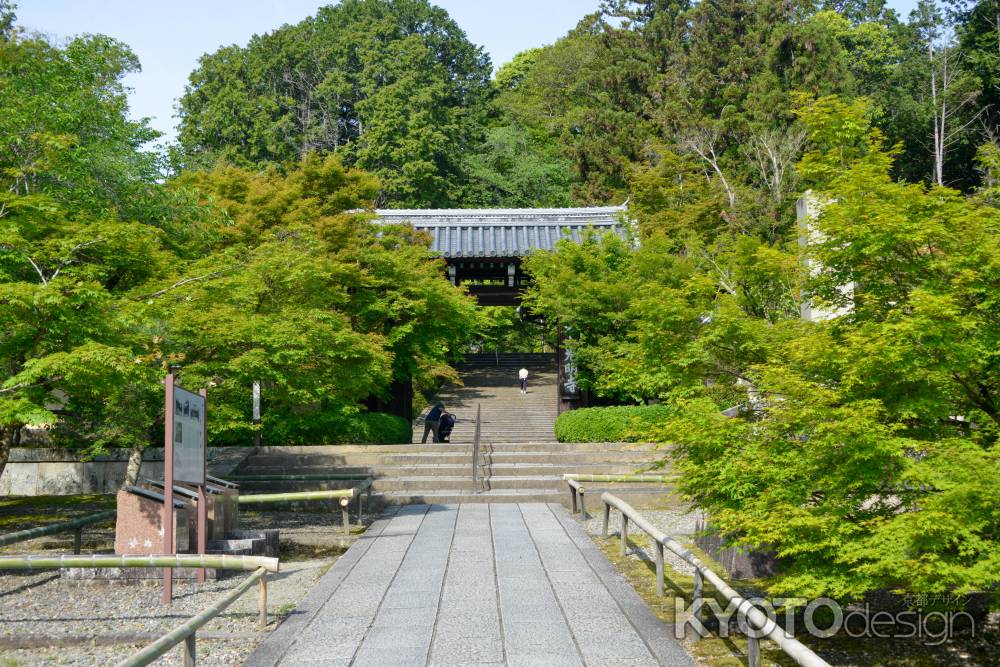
<point x="739" y="563"/>
<point x="62" y="472"/>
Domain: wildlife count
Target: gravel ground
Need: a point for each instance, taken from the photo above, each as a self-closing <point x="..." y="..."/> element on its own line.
<point x="676" y="522"/>
<point x="304" y="528"/>
<point x="45" y="620"/>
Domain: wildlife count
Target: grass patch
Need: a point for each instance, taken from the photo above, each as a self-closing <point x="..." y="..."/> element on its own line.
<point x="21" y="512"/>
<point x="293" y="551"/>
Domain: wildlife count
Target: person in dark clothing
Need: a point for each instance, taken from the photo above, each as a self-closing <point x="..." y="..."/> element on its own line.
<point x="432" y="423"/>
<point x="445" y="424"/>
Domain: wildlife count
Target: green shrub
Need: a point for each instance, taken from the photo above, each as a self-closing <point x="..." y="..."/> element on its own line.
<point x="619" y="423"/>
<point x="372" y="428"/>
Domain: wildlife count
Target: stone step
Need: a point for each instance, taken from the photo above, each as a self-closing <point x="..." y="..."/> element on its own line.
<point x="452" y="470"/>
<point x="636" y="496"/>
<point x="424" y="483"/>
<point x="320" y="464"/>
<point x="507" y="415"/>
<point x="285" y="453"/>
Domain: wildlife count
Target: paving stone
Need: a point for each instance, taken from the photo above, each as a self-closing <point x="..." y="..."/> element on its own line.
<point x="542" y="659"/>
<point x="386" y="656"/>
<point x="622" y="662"/>
<point x="414" y="600"/>
<point x="464" y="650"/>
<point x="406" y="617"/>
<point x="595" y="640"/>
<point x="474" y="584"/>
<point x="485" y="620"/>
<point x="309" y="661"/>
<point x="387" y="636"/>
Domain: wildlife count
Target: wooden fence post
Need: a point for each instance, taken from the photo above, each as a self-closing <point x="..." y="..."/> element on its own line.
<point x="624" y="535"/>
<point x="262" y="601"/>
<point x="753" y="650"/>
<point x="344" y="502"/>
<point x="699" y="586"/>
<point x="659" y="568"/>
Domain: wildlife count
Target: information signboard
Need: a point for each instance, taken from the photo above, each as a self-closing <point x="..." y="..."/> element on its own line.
<point x="189" y="437"/>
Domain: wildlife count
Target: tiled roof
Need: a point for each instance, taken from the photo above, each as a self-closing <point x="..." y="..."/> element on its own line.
<point x="505" y="232"/>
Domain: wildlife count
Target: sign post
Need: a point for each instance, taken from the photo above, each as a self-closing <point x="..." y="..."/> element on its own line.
<point x="184" y="460"/>
<point x="202" y="494"/>
<point x="256" y="413"/>
<point x="167" y="524"/>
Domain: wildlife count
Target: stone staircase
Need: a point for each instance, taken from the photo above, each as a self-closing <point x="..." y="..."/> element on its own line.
<point x="519" y="458"/>
<point x="442" y="473"/>
<point x="507" y="415"/>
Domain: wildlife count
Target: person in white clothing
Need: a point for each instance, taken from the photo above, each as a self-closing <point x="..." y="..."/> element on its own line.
<point x="523" y="377"/>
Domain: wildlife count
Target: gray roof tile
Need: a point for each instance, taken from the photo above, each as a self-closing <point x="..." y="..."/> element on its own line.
<point x="510" y="232"/>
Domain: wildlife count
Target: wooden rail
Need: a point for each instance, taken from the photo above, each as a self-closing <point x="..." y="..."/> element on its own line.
<point x="754" y="616"/>
<point x="76" y="525"/>
<point x="186" y="632"/>
<point x="361" y="491"/>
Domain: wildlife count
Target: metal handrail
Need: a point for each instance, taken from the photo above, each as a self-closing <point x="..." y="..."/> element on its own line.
<point x="185" y="632"/>
<point x="475" y="447"/>
<point x="76" y="525"/>
<point x="754" y="616"/>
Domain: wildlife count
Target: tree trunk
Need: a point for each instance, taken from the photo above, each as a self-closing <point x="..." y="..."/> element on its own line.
<point x="134" y="466"/>
<point x="938" y="120"/>
<point x="10" y="437"/>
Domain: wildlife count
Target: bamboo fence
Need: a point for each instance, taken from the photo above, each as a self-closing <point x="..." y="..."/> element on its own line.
<point x="619" y="478"/>
<point x="218" y="562"/>
<point x="185" y="632"/>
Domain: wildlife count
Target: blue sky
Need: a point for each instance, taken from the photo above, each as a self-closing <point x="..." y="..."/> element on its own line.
<point x="169" y="37"/>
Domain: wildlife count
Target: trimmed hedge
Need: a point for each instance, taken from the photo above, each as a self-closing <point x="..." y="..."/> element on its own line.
<point x="619" y="423"/>
<point x="369" y="428"/>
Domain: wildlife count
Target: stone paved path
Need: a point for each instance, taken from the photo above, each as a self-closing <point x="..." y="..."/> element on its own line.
<point x="472" y="584"/>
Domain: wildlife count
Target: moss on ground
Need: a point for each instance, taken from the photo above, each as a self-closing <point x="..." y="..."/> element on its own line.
<point x="982" y="649"/>
<point x="293" y="551"/>
<point x="641" y="574"/>
<point x="21" y="512"/>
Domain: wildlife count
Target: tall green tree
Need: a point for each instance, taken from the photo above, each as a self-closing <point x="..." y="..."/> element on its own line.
<point x="390" y="86"/>
<point x="304" y="294"/>
<point x="73" y="177"/>
<point x="568" y="97"/>
<point x="869" y="460"/>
